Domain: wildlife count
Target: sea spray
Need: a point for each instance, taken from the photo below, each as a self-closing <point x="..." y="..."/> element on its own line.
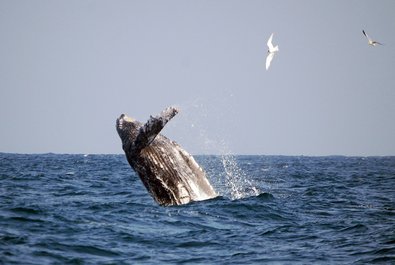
<point x="232" y="183"/>
<point x="236" y="181"/>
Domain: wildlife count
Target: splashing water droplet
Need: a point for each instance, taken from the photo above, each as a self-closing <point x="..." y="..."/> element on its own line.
<point x="238" y="183"/>
<point x="233" y="182"/>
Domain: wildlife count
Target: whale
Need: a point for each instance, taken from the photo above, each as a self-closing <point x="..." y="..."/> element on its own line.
<point x="169" y="173"/>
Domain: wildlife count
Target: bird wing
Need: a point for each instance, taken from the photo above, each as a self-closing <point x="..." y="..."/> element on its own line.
<point x="269" y="59"/>
<point x="366" y="35"/>
<point x="269" y="43"/>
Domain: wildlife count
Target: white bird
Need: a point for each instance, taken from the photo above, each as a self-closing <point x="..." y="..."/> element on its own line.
<point x="370" y="41"/>
<point x="271" y="51"/>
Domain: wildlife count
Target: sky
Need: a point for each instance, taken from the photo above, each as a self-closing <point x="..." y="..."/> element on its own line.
<point x="68" y="69"/>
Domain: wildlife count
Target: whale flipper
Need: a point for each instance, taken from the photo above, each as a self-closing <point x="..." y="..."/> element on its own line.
<point x="152" y="127"/>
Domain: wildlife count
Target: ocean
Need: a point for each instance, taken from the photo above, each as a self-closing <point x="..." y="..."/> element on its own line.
<point x="93" y="209"/>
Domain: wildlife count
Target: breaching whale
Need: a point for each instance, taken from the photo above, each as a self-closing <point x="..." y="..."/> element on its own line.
<point x="170" y="174"/>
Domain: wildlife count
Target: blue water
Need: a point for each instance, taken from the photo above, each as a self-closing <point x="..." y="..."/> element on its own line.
<point x="76" y="209"/>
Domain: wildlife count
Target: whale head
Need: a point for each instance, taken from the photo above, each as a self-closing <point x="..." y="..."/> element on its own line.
<point x="127" y="129"/>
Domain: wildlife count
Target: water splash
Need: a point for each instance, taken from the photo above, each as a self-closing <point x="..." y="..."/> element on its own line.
<point x="232" y="182"/>
<point x="237" y="182"/>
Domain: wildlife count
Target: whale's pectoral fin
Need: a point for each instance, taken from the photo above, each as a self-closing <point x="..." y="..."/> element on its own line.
<point x="153" y="126"/>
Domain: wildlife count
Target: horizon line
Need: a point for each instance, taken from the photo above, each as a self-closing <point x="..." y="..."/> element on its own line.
<point x="229" y="154"/>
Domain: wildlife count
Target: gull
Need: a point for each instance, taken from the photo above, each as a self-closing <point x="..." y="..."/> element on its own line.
<point x="370" y="41"/>
<point x="271" y="51"/>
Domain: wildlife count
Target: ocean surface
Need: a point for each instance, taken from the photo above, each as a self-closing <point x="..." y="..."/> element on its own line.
<point x="93" y="209"/>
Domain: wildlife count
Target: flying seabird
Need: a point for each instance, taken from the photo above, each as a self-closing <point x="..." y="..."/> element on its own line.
<point x="370" y="41"/>
<point x="271" y="51"/>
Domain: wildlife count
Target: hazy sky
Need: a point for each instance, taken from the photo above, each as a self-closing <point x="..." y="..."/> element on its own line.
<point x="68" y="69"/>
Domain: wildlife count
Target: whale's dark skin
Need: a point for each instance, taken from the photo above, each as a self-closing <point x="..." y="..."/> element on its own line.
<point x="169" y="173"/>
